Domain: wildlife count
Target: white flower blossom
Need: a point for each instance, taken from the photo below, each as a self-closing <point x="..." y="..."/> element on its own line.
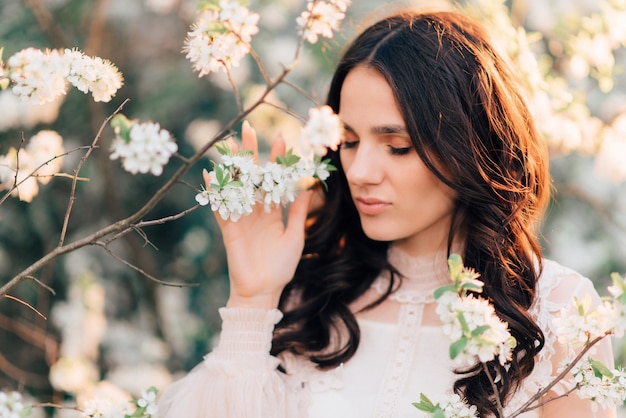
<point x="11" y="405"/>
<point x="93" y="74"/>
<point x="147" y="149"/>
<point x="148" y="401"/>
<point x="21" y="112"/>
<point x="451" y="406"/>
<point x="39" y="161"/>
<point x="279" y="184"/>
<point x="323" y="130"/>
<point x="577" y="326"/>
<point x="454" y="407"/>
<point x="232" y="201"/>
<point x="104" y="408"/>
<point x="472" y="324"/>
<point x="321" y="170"/>
<point x="220" y="39"/>
<point x="43" y="75"/>
<point x="72" y="374"/>
<point x="321" y="18"/>
<point x="238" y="183"/>
<point x="607" y="388"/>
<point x="38" y="74"/>
<point x="239" y="19"/>
<point x="46" y="148"/>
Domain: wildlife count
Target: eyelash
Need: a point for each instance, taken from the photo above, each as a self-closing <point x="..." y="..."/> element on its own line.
<point x="400" y="151"/>
<point x="392" y="150"/>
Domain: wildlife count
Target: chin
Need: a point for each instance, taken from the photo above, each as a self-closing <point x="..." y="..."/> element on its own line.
<point x="381" y="234"/>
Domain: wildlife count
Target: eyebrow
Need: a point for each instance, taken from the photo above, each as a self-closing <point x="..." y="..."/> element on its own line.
<point x="382" y="129"/>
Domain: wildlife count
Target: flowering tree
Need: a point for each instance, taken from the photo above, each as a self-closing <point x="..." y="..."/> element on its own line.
<point x="218" y="45"/>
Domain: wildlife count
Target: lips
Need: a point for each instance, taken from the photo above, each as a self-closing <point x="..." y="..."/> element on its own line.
<point x="370" y="206"/>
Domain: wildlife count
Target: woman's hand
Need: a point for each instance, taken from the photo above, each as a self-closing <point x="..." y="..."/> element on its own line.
<point x="262" y="252"/>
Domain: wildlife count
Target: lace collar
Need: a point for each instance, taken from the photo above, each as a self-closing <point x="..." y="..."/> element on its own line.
<point x="421" y="276"/>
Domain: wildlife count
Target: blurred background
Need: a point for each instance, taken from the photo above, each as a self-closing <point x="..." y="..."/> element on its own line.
<point x="106" y="327"/>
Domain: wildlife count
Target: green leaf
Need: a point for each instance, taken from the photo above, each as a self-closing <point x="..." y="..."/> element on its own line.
<point x="329" y="166"/>
<point x="438" y="413"/>
<point x="288" y="159"/>
<point x="222" y="176"/>
<point x="457" y="347"/>
<point x="223" y="148"/>
<point x="464" y="326"/>
<point x="455" y="266"/>
<point x="580" y="307"/>
<point x="443" y="289"/>
<point x="599" y="369"/>
<point x="480" y="330"/>
<point x="26" y="411"/>
<point x="620" y="283"/>
<point x="209" y="4"/>
<point x="122" y="126"/>
<point x="422" y="407"/>
<point x="472" y="286"/>
<point x="426" y="401"/>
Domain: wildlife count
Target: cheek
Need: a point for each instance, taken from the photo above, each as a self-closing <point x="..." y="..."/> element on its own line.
<point x="345" y="159"/>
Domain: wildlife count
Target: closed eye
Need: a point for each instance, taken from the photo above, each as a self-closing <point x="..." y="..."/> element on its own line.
<point x="349" y="144"/>
<point x="400" y="151"/>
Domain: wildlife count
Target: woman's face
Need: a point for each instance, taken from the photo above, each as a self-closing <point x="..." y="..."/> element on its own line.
<point x="397" y="197"/>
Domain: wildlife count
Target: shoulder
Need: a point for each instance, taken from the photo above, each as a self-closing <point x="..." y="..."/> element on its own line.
<point x="557" y="288"/>
<point x="559" y="285"/>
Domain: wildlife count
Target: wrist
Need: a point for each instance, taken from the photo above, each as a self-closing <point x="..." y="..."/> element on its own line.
<point x="266" y="301"/>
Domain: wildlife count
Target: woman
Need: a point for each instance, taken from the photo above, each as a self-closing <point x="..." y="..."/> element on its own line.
<point x="439" y="156"/>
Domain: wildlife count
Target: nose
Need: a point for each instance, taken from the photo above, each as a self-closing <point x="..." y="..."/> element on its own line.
<point x="364" y="166"/>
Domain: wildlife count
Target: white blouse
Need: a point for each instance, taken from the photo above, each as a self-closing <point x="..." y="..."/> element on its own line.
<point x="402" y="353"/>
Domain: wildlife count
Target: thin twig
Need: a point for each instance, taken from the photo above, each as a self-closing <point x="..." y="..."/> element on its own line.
<point x="557" y="379"/>
<point x="181" y="157"/>
<point x="139" y="270"/>
<point x="260" y="66"/>
<point x="25" y="304"/>
<point x="496" y="392"/>
<point x="146" y="240"/>
<point x="552" y="398"/>
<point x="142" y="224"/>
<point x="42" y="284"/>
<point x="287" y="111"/>
<point x="302" y="92"/>
<point x="167" y="218"/>
<point x="82" y="161"/>
<point x="236" y="93"/>
<point x="55" y="405"/>
<point x="16" y="184"/>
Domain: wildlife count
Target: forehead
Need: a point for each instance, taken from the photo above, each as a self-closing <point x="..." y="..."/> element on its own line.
<point x="367" y="98"/>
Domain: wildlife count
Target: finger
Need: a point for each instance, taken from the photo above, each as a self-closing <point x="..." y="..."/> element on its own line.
<point x="249" y="140"/>
<point x="278" y="148"/>
<point x="207" y="178"/>
<point x="297" y="216"/>
<point x="233" y="145"/>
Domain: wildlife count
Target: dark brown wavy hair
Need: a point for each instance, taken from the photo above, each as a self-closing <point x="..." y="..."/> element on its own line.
<point x="467" y="118"/>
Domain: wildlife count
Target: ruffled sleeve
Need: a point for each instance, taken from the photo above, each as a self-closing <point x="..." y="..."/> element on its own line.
<point x="239" y="378"/>
<point x="557" y="288"/>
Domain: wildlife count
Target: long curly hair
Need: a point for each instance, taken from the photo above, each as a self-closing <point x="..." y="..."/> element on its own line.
<point x="466" y="116"/>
